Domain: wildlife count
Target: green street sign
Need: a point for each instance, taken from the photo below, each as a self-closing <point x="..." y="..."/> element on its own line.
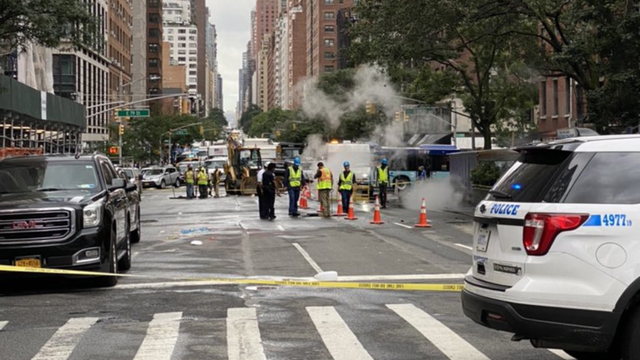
<point x="134" y="113"/>
<point x="180" y="132"/>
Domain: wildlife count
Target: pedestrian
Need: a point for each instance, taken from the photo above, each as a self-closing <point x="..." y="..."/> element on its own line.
<point x="383" y="182"/>
<point x="270" y="190"/>
<point x="325" y="183"/>
<point x="260" y="191"/>
<point x="189" y="179"/>
<point x="293" y="179"/>
<point x="345" y="185"/>
<point x="203" y="182"/>
<point x="215" y="181"/>
<point x="422" y="173"/>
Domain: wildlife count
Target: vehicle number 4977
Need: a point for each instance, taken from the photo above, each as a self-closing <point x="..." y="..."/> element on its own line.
<point x="615" y="220"/>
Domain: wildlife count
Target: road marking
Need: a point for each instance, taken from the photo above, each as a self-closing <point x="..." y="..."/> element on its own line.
<point x="403" y="225"/>
<point x="464" y="246"/>
<point x="308" y="258"/>
<point x="281" y="227"/>
<point x="3" y="324"/>
<point x="62" y="343"/>
<point x="336" y="335"/>
<point x="161" y="338"/>
<point x="243" y="335"/>
<point x="561" y="354"/>
<point x="447" y="341"/>
<point x="400" y="277"/>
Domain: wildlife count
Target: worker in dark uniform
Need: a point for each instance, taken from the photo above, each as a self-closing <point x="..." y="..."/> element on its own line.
<point x="270" y="190"/>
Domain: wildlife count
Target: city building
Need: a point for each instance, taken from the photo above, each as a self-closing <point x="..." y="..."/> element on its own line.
<point x="219" y="92"/>
<point x="562" y="105"/>
<point x="346" y="18"/>
<point x="174" y="81"/>
<point x="296" y="54"/>
<point x="154" y="48"/>
<point x="263" y="20"/>
<point x="262" y="75"/>
<point x="322" y="35"/>
<point x="119" y="50"/>
<point x="138" y="88"/>
<point x="212" y="67"/>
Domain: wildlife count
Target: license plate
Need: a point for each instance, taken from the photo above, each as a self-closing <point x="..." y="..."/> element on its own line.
<point x="32" y="263"/>
<point x="483" y="240"/>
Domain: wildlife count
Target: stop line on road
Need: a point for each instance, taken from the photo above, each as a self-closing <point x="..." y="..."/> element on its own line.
<point x="244" y="339"/>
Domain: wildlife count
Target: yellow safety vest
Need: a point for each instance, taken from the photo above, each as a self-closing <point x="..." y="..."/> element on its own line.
<point x="188" y="177"/>
<point x="346" y="183"/>
<point x="383" y="175"/>
<point x="324" y="182"/>
<point x="202" y="178"/>
<point x="295" y="177"/>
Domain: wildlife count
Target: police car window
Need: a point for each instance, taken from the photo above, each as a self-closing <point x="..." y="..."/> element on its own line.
<point x="529" y="178"/>
<point x="609" y="178"/>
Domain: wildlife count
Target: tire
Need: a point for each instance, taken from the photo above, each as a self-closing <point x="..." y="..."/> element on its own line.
<point x="401" y="183"/>
<point x="178" y="183"/>
<point x="630" y="347"/>
<point x="163" y="185"/>
<point x="580" y="355"/>
<point x="125" y="262"/>
<point x="135" y="235"/>
<point x="112" y="263"/>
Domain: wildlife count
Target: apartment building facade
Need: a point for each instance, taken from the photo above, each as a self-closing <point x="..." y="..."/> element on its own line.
<point x="322" y="35"/>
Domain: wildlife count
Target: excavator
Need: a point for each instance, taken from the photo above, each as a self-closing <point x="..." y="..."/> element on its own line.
<point x="242" y="168"/>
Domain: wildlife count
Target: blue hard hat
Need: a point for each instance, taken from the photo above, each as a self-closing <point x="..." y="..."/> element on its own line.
<point x="345" y="164"/>
<point x="296" y="161"/>
<point x="384" y="161"/>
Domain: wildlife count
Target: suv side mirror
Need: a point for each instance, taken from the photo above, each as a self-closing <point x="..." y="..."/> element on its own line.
<point x="118" y="183"/>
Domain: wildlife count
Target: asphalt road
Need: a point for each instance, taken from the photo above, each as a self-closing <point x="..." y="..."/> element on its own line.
<point x="172" y="309"/>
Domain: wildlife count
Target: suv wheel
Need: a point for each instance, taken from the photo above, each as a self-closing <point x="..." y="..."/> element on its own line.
<point x="112" y="261"/>
<point x="125" y="262"/>
<point x="163" y="184"/>
<point x="135" y="234"/>
<point x="631" y="332"/>
<point x="178" y="183"/>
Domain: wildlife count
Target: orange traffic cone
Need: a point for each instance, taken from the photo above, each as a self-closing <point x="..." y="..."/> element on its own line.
<point x="303" y="201"/>
<point x="340" y="210"/>
<point x="423" y="216"/>
<point x="376" y="213"/>
<point x="351" y="215"/>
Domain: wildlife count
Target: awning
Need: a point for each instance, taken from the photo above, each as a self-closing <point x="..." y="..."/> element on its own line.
<point x="421" y="139"/>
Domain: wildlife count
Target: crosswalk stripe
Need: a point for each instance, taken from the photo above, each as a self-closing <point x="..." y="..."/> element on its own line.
<point x="336" y="335"/>
<point x="452" y="345"/>
<point x="62" y="343"/>
<point x="161" y="338"/>
<point x="243" y="335"/>
<point x="3" y="324"/>
<point x="561" y="354"/>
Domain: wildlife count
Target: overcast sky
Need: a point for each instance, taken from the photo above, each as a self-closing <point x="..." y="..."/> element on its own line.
<point x="232" y="20"/>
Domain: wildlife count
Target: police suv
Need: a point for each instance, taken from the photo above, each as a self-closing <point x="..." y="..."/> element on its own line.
<point x="556" y="257"/>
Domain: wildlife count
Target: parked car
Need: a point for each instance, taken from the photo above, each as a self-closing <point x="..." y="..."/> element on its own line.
<point x="160" y="177"/>
<point x="65" y="212"/>
<point x="133" y="195"/>
<point x="134" y="176"/>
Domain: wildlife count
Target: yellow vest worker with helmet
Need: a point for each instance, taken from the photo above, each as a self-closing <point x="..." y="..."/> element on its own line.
<point x="383" y="182"/>
<point x="293" y="179"/>
<point x="325" y="183"/>
<point x="189" y="179"/>
<point x="346" y="184"/>
<point x="203" y="183"/>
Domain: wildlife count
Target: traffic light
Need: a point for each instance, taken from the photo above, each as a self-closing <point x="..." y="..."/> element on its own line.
<point x="113" y="150"/>
<point x="370" y="108"/>
<point x="186" y="109"/>
<point x="398" y="116"/>
<point x="201" y="130"/>
<point x="121" y="129"/>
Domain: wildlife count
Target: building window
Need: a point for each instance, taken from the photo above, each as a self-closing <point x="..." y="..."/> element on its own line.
<point x="329" y="55"/>
<point x="153" y="63"/>
<point x="192" y="45"/>
<point x="182" y="58"/>
<point x="328" y="2"/>
<point x="543" y="98"/>
<point x="329" y="42"/>
<point x="169" y="31"/>
<point x="154" y="18"/>
<point x="182" y="31"/>
<point x="328" y="15"/>
<point x="192" y="38"/>
<point x="193" y="31"/>
<point x="170" y="38"/>
<point x="182" y="52"/>
<point x="193" y="52"/>
<point x="329" y="68"/>
<point x="193" y="72"/>
<point x="329" y="28"/>
<point x="182" y="38"/>
<point x="193" y="80"/>
<point x="154" y="3"/>
<point x="181" y="45"/>
<point x="555" y="97"/>
<point x="192" y="66"/>
<point x="193" y="59"/>
<point x="153" y="48"/>
<point x="154" y="33"/>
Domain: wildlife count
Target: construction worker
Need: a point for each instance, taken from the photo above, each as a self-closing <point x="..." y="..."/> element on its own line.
<point x="293" y="179"/>
<point x="383" y="182"/>
<point x="345" y="185"/>
<point x="260" y="190"/>
<point x="270" y="191"/>
<point x="189" y="179"/>
<point x="422" y="173"/>
<point x="215" y="181"/>
<point x="203" y="182"/>
<point x="325" y="183"/>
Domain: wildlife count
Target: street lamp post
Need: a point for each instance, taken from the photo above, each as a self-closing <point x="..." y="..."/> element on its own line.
<point x="170" y="132"/>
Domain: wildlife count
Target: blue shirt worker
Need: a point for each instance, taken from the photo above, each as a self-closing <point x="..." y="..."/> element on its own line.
<point x="346" y="184"/>
<point x="383" y="182"/>
<point x="293" y="179"/>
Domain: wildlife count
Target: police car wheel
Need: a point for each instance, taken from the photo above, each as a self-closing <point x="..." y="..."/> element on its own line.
<point x="630" y="346"/>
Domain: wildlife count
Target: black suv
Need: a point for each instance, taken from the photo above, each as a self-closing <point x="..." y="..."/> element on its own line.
<point x="66" y="212"/>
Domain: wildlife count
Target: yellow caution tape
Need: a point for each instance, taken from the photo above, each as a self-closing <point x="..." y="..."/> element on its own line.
<point x="248" y="281"/>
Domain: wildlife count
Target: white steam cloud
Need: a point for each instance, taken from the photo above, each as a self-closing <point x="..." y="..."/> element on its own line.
<point x="439" y="194"/>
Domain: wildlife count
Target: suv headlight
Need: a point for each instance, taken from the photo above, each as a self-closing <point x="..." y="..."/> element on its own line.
<point x="92" y="214"/>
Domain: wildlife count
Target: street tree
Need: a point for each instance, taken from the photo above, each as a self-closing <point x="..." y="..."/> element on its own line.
<point x="447" y="35"/>
<point x="46" y="23"/>
<point x="247" y="117"/>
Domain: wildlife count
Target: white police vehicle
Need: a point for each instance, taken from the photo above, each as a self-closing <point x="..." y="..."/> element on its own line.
<point x="556" y="256"/>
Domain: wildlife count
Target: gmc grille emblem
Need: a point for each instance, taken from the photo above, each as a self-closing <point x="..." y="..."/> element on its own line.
<point x="24" y="225"/>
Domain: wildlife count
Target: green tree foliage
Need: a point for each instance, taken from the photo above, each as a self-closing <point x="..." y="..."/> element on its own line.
<point x="46" y="22"/>
<point x="447" y="35"/>
<point x="247" y="117"/>
<point x="270" y="122"/>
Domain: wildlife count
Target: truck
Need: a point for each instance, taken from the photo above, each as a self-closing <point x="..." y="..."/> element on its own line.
<point x="242" y="168"/>
<point x="268" y="149"/>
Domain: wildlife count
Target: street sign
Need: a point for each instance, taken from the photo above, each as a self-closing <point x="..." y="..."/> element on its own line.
<point x="134" y="113"/>
<point x="180" y="132"/>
